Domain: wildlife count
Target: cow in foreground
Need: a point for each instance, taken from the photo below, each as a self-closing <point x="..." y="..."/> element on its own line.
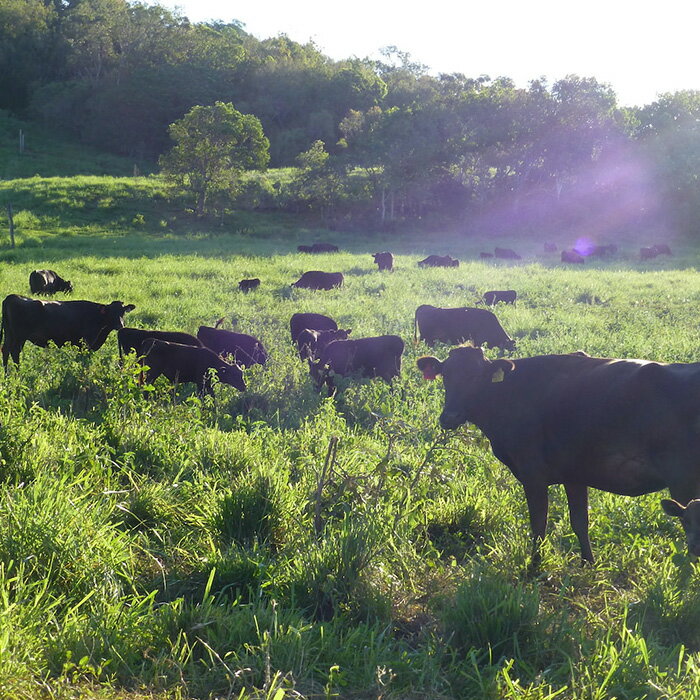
<point x="133" y="339"/>
<point x="311" y="343"/>
<point x="628" y="427"/>
<point x="48" y="282"/>
<point x="249" y="285"/>
<point x="315" y="279"/>
<point x="455" y="325"/>
<point x="379" y="356"/>
<point x="184" y="363"/>
<point x="245" y="349"/>
<point x="438" y="261"/>
<point x="507" y="296"/>
<point x="385" y="260"/>
<point x="60" y="322"/>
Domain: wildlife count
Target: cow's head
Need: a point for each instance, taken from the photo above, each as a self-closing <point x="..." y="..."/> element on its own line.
<point x="230" y="373"/>
<point x="113" y="314"/>
<point x="67" y="286"/>
<point x="463" y="372"/>
<point x="318" y="371"/>
<point x="690" y="520"/>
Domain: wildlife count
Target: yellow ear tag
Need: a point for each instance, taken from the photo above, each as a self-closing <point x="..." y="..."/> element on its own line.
<point x="498" y="375"/>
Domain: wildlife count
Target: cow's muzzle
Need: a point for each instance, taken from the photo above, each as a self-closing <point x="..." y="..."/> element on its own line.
<point x="450" y="421"/>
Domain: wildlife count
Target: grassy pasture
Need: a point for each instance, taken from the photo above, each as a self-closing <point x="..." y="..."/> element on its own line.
<point x="178" y="547"/>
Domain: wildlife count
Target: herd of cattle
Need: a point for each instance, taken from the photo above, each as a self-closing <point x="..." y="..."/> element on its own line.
<point x="628" y="427"/>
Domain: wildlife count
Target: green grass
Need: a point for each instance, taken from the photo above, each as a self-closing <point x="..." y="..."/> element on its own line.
<point x="173" y="546"/>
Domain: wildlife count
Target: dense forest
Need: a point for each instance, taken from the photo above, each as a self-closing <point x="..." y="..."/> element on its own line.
<point x="373" y="143"/>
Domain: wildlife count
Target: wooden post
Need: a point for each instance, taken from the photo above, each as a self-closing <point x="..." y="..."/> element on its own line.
<point x="12" y="225"/>
<point x="21" y="141"/>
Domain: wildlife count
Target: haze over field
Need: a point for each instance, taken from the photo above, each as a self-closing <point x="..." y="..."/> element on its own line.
<point x="641" y="51"/>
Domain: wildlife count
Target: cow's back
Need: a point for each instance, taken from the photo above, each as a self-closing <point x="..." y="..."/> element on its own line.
<point x="312" y="321"/>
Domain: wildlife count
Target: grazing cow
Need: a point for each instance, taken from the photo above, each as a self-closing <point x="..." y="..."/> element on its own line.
<point x="315" y="279"/>
<point x="648" y="253"/>
<point x="311" y="343"/>
<point x="249" y="285"/>
<point x="507" y="296"/>
<point x="48" y="282"/>
<point x="305" y="249"/>
<point x="439" y="261"/>
<point x="130" y="339"/>
<point x="663" y="249"/>
<point x="317" y="322"/>
<point x="550" y="247"/>
<point x="624" y="426"/>
<point x="184" y="363"/>
<point x="246" y="350"/>
<point x="571" y="256"/>
<point x="506" y="254"/>
<point x="485" y="256"/>
<point x="324" y="248"/>
<point x="456" y="325"/>
<point x="385" y="261"/>
<point x="379" y="356"/>
<point x="61" y="322"/>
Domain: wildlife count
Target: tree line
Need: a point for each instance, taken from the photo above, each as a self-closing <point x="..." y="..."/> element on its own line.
<point x="372" y="142"/>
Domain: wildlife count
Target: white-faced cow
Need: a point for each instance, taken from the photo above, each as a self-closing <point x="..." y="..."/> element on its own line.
<point x="184" y="363"/>
<point x="48" y="282"/>
<point x="379" y="356"/>
<point x="456" y="325"/>
<point x="624" y="426"/>
<point x="41" y="322"/>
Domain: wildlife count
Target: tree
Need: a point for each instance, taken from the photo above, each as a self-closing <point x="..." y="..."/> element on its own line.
<point x="214" y="145"/>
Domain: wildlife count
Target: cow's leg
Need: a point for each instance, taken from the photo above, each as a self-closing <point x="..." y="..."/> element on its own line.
<point x="538" y="504"/>
<point x="577" y="496"/>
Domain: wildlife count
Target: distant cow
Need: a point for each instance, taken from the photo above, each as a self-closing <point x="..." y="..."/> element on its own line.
<point x="246" y="350"/>
<point x="249" y="285"/>
<point x="663" y="249"/>
<point x="48" y="282"/>
<point x="61" y="322"/>
<point x="305" y="249"/>
<point x="485" y="256"/>
<point x="184" y="363"/>
<point x="506" y="254"/>
<point x="130" y="339"/>
<point x="385" y="261"/>
<point x="507" y="296"/>
<point x="455" y="325"/>
<point x="648" y="253"/>
<point x="628" y="427"/>
<point x="317" y="322"/>
<point x="311" y="343"/>
<point x="324" y="248"/>
<point x="438" y="261"/>
<point x="550" y="247"/>
<point x="315" y="279"/>
<point x="571" y="256"/>
<point x="379" y="356"/>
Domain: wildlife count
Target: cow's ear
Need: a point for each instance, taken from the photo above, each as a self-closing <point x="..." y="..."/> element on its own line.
<point x="129" y="307"/>
<point x="499" y="368"/>
<point x="348" y="330"/>
<point x="672" y="508"/>
<point x="430" y="366"/>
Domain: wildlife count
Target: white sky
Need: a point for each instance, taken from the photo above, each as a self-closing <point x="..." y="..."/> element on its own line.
<point x="641" y="48"/>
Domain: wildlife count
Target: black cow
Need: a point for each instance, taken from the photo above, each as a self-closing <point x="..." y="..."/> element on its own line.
<point x="48" y="282"/>
<point x="305" y="249"/>
<point x="623" y="426"/>
<point x="379" y="356"/>
<point x="246" y="350"/>
<point x="438" y="261"/>
<point x="324" y="248"/>
<point x="663" y="249"/>
<point x="130" y="339"/>
<point x="506" y="254"/>
<point x="648" y="253"/>
<point x="485" y="256"/>
<point x="317" y="322"/>
<point x="315" y="279"/>
<point x="61" y="322"/>
<point x="184" y="363"/>
<point x="507" y="296"/>
<point x="249" y="285"/>
<point x="456" y="325"/>
<point x="571" y="256"/>
<point x="311" y="343"/>
<point x="385" y="261"/>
